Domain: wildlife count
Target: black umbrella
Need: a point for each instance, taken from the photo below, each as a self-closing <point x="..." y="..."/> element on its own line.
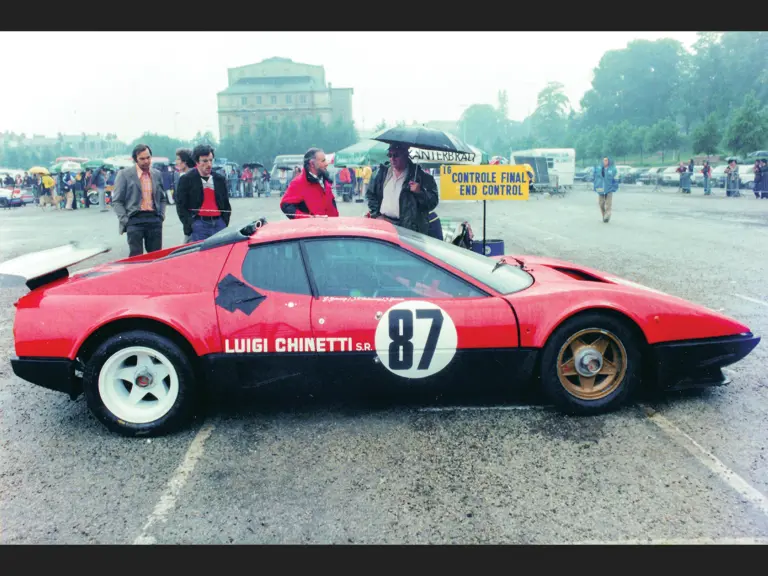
<point x="424" y="138"/>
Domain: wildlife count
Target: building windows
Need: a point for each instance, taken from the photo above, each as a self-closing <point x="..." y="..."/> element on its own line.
<point x="258" y="99"/>
<point x="303" y="98"/>
<point x="274" y="118"/>
<point x="273" y="99"/>
<point x="289" y="99"/>
<point x="244" y="100"/>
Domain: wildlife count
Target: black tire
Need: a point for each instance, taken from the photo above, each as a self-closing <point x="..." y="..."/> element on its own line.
<point x="179" y="414"/>
<point x="617" y="328"/>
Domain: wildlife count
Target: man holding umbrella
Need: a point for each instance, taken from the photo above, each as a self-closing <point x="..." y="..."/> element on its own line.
<point x="402" y="192"/>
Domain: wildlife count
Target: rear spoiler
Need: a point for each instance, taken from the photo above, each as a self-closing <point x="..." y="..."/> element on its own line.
<point x="39" y="268"/>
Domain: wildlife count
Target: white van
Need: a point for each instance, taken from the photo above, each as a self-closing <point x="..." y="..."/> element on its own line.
<point x="561" y="162"/>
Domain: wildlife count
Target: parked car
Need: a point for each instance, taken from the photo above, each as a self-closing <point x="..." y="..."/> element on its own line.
<point x="584" y="175"/>
<point x="670" y="176"/>
<point x="634" y="175"/>
<point x="747" y="176"/>
<point x="650" y="176"/>
<point x="10" y="197"/>
<point x="622" y="170"/>
<point x="718" y="176"/>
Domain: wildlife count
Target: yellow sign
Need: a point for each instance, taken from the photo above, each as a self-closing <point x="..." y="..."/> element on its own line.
<point x="486" y="182"/>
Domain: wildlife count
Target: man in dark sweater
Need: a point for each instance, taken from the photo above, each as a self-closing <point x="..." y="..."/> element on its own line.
<point x="202" y="201"/>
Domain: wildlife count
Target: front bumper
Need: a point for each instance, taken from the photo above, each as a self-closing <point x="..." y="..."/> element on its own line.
<point x="699" y="363"/>
<point x="53" y="373"/>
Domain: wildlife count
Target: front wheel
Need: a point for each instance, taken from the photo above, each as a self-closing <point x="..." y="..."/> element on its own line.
<point x="140" y="383"/>
<point x="591" y="364"/>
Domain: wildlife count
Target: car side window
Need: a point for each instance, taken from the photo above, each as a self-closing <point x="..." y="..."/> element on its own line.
<point x="366" y="268"/>
<point x="277" y="267"/>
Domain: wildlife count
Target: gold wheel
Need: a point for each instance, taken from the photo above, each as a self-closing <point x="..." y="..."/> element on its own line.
<point x="591" y="364"/>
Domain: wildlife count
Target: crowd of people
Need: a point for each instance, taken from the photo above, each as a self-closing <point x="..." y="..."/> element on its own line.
<point x="401" y="192"/>
<point x="67" y="190"/>
<point x="732" y="180"/>
<point x="398" y="191"/>
<point x="606" y="181"/>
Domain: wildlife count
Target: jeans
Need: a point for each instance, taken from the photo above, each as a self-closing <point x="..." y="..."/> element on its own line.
<point x="145" y="231"/>
<point x="706" y="185"/>
<point x="205" y="227"/>
<point x="605" y="201"/>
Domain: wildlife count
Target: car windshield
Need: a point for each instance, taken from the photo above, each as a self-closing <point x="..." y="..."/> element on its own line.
<point x="504" y="279"/>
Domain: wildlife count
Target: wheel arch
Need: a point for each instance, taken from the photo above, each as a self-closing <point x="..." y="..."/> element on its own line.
<point x="100" y="334"/>
<point x="615" y="313"/>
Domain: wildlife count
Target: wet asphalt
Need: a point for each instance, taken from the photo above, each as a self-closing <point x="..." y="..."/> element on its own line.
<point x="686" y="467"/>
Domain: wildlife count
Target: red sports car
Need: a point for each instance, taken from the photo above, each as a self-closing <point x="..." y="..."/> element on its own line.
<point x="333" y="299"/>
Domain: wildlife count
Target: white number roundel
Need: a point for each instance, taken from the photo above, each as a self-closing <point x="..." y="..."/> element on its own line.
<point x="416" y="339"/>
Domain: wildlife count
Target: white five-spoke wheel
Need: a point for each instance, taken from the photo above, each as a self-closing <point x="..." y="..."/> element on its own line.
<point x="138" y="382"/>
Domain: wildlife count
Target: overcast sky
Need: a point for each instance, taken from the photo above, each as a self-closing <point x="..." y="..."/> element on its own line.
<point x="166" y="82"/>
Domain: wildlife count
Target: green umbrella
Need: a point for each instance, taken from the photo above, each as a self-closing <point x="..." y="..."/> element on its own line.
<point x="364" y="153"/>
<point x="65" y="166"/>
<point x="96" y="163"/>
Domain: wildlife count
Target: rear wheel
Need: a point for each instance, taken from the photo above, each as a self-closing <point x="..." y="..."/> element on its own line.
<point x="591" y="364"/>
<point x="140" y="383"/>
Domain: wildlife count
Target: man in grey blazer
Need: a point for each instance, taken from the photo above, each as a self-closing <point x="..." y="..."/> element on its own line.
<point x="139" y="201"/>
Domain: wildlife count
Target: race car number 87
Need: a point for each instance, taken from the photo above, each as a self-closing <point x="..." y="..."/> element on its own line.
<point x="415" y="339"/>
<point x="401" y="344"/>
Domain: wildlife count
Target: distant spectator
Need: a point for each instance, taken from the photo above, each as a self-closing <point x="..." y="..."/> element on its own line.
<point x="99" y="181"/>
<point x="232" y="180"/>
<point x="184" y="164"/>
<point x="756" y="180"/>
<point x="606" y="184"/>
<point x="707" y="173"/>
<point x="732" y="179"/>
<point x="367" y="180"/>
<point x="67" y="188"/>
<point x="247" y="180"/>
<point x="763" y="179"/>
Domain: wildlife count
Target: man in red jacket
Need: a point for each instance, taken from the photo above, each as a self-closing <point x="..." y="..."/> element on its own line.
<point x="309" y="194"/>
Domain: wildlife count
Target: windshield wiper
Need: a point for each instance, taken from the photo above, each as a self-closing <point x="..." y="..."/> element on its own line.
<point x="501" y="262"/>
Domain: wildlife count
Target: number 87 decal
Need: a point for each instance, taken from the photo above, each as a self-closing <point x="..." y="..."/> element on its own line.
<point x="415" y="339"/>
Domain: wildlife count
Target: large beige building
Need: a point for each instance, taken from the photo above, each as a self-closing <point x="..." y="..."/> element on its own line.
<point x="277" y="88"/>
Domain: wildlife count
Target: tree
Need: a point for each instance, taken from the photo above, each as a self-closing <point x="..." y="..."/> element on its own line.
<point x="596" y="142"/>
<point x="160" y="144"/>
<point x="618" y="140"/>
<point x="747" y="127"/>
<point x="706" y="136"/>
<point x="266" y="140"/>
<point x="639" y="83"/>
<point x="204" y="138"/>
<point x="581" y="145"/>
<point x="380" y="126"/>
<point x="639" y="138"/>
<point x="549" y="121"/>
<point x="503" y="104"/>
<point x="481" y="126"/>
<point x="663" y="137"/>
